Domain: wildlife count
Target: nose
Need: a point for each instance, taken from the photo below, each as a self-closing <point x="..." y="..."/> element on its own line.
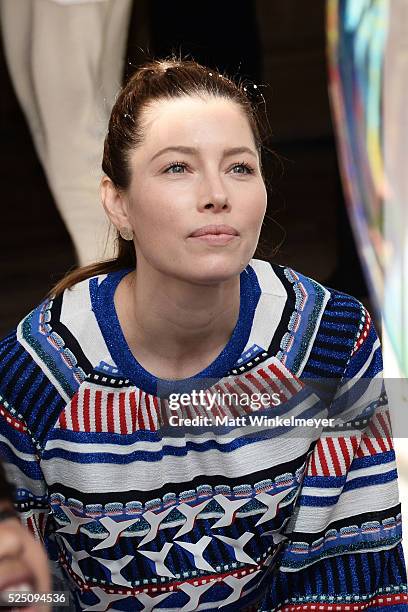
<point x="213" y="195"/>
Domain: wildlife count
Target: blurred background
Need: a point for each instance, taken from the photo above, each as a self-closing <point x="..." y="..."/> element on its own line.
<point x="279" y="44"/>
<point x="319" y="66"/>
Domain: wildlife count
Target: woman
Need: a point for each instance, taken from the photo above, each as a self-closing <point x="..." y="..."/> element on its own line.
<point x="139" y="512"/>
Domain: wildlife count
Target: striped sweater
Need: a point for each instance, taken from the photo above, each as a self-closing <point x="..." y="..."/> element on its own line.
<point x="140" y="514"/>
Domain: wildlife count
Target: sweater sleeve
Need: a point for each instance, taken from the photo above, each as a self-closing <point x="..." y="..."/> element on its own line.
<point x="343" y="548"/>
<point x="19" y="450"/>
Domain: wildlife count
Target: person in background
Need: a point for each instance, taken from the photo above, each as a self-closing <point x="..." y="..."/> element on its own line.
<point x="23" y="561"/>
<point x="65" y="59"/>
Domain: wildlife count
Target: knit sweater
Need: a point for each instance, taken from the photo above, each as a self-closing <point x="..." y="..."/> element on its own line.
<point x="141" y="513"/>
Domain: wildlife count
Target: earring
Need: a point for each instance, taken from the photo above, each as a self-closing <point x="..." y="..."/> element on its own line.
<point x="126" y="233"/>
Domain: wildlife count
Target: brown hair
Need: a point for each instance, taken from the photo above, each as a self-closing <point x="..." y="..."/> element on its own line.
<point x="156" y="80"/>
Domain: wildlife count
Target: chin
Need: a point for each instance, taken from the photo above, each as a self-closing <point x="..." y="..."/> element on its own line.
<point x="216" y="271"/>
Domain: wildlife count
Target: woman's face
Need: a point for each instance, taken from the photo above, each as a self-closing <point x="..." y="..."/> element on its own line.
<point x="197" y="167"/>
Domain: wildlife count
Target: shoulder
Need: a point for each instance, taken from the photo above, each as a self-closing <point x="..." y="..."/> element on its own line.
<point x="320" y="328"/>
<point x="63" y="337"/>
<point x="46" y="358"/>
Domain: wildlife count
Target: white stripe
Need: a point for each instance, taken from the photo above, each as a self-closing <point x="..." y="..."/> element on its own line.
<point x="318" y="463"/>
<point x="104" y="411"/>
<point x="288" y="377"/>
<point x="80" y="410"/>
<point x="116" y="413"/>
<point x="155" y="446"/>
<point x="143" y="408"/>
<point x="350" y="504"/>
<point x="333" y="491"/>
<point x="68" y="416"/>
<point x="92" y="404"/>
<point x="128" y="414"/>
<point x="327" y="455"/>
<point x="269" y="309"/>
<point x="17" y="453"/>
<point x="343" y="461"/>
<point x="364" y="367"/>
<point x="143" y="475"/>
<point x="77" y="315"/>
<point x="17" y="477"/>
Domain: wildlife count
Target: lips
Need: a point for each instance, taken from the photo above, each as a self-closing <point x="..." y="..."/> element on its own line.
<point x="214" y="230"/>
<point x="20" y="584"/>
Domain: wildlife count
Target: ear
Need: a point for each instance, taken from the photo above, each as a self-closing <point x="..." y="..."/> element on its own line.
<point x="115" y="203"/>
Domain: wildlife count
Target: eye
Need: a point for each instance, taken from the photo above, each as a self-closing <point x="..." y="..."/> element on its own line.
<point x="179" y="168"/>
<point x="247" y="169"/>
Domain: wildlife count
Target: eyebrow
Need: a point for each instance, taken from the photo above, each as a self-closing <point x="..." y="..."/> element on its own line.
<point x="194" y="151"/>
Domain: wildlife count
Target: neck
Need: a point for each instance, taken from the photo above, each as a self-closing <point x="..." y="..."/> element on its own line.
<point x="184" y="323"/>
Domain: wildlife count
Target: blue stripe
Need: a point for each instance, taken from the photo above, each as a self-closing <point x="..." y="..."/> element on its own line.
<point x="378" y="459"/>
<point x="30" y="367"/>
<point x="366" y="481"/>
<point x="30" y="468"/>
<point x="358" y="483"/>
<point x="18" y="439"/>
<point x="152" y="456"/>
<point x="331" y="482"/>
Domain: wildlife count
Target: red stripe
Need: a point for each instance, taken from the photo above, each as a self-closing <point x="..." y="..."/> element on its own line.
<point x="15" y="423"/>
<point x="133" y="410"/>
<point x="31" y="526"/>
<point x="204" y="407"/>
<point x="98" y="411"/>
<point x="312" y="469"/>
<point x="42" y="522"/>
<point x="256" y="383"/>
<point x="149" y="412"/>
<point x="379" y="601"/>
<point x="63" y="420"/>
<point x="86" y="409"/>
<point x="161" y="413"/>
<point x="233" y="409"/>
<point x="282" y="378"/>
<point x="140" y="420"/>
<point x="378" y="436"/>
<point x="322" y="458"/>
<point x="122" y="413"/>
<point x="270" y="381"/>
<point x="221" y="409"/>
<point x="152" y="588"/>
<point x="74" y="413"/>
<point x="355" y="442"/>
<point x="240" y="383"/>
<point x="217" y="409"/>
<point x="333" y="455"/>
<point x="369" y="444"/>
<point x="346" y="452"/>
<point x="387" y="432"/>
<point x="109" y="412"/>
<point x="187" y="412"/>
<point x="225" y="410"/>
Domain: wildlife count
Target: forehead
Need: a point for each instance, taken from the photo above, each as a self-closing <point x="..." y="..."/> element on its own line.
<point x="195" y="121"/>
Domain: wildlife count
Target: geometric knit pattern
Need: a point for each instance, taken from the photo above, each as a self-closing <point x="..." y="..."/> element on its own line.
<point x="139" y="515"/>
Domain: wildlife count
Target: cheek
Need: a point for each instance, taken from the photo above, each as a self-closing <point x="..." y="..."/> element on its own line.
<point x="254" y="206"/>
<point x="155" y="218"/>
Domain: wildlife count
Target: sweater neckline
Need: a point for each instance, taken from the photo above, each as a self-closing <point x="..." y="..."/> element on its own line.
<point x="103" y="305"/>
